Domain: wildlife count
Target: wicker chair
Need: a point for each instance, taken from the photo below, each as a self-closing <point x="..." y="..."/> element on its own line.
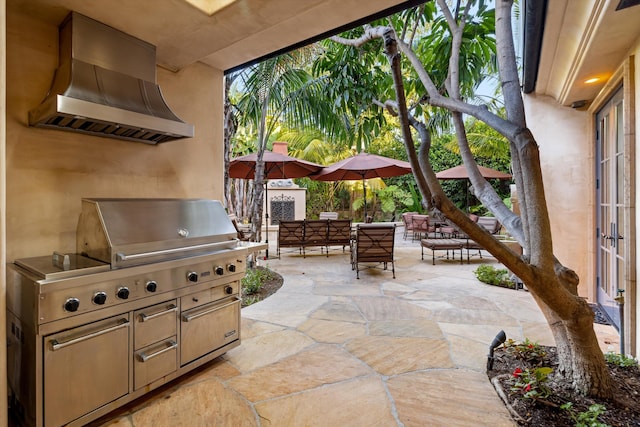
<point x="373" y="244"/>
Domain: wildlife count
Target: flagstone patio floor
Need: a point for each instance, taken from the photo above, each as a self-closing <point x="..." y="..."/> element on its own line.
<point x="330" y="350"/>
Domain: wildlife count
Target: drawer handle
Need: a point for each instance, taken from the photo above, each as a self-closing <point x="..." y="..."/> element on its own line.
<point x="147" y="317"/>
<point x="190" y="317"/>
<point x="170" y="346"/>
<point x="57" y="345"/>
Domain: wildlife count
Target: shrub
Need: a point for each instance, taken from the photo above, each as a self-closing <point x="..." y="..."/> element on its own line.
<point x="494" y="276"/>
<point x="531" y="383"/>
<point x="254" y="279"/>
<point x="620" y="360"/>
<point x="527" y="351"/>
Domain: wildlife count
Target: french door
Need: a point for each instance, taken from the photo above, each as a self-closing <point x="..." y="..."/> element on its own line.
<point x="610" y="195"/>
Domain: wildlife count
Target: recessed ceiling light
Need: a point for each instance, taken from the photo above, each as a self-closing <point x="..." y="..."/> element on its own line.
<point x="210" y="6"/>
<point x="592" y="80"/>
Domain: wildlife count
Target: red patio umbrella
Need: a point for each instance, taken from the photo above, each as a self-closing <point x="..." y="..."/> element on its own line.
<point x="276" y="166"/>
<point x="460" y="172"/>
<point x="363" y="166"/>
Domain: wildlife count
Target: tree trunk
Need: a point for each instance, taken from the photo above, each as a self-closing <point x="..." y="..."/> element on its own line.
<point x="552" y="285"/>
<point x="229" y="131"/>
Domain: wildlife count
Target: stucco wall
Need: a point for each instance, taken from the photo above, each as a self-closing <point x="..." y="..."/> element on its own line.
<point x="634" y="297"/>
<point x="566" y="156"/>
<point x="48" y="172"/>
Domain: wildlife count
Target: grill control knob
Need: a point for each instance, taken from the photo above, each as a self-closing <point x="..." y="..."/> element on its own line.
<point x="123" y="293"/>
<point x="152" y="286"/>
<point x="231" y="268"/>
<point x="71" y="304"/>
<point x="192" y="276"/>
<point x="219" y="270"/>
<point x="228" y="290"/>
<point x="100" y="298"/>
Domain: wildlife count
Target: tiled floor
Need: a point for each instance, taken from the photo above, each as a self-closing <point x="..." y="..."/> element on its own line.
<point x="330" y="350"/>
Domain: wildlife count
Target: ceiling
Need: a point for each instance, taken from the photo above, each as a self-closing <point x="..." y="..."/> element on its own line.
<point x="234" y="35"/>
<point x="582" y="40"/>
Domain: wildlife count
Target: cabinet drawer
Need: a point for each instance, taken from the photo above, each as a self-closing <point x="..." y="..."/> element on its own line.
<point x="154" y="362"/>
<point x="206" y="328"/>
<point x="155" y="323"/>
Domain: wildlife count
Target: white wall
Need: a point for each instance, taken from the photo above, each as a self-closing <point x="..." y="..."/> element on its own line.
<point x="566" y="156"/>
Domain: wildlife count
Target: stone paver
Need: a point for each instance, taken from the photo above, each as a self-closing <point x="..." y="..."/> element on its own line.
<point x="447" y="398"/>
<point x="360" y="402"/>
<point x="323" y="364"/>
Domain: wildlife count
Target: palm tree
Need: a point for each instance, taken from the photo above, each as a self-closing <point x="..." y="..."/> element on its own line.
<point x="280" y="90"/>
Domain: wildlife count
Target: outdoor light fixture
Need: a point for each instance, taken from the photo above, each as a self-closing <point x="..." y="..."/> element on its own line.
<point x="210" y="7"/>
<point x="497" y="341"/>
<point x="579" y="104"/>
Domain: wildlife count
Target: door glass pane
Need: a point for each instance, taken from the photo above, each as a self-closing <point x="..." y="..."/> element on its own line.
<point x="604" y="219"/>
<point x="604" y="195"/>
<point x="619" y="129"/>
<point x="604" y="255"/>
<point x="604" y="130"/>
<point x="620" y="178"/>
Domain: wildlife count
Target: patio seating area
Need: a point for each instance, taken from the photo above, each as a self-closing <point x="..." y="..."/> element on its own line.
<point x="320" y="233"/>
<point x="328" y="349"/>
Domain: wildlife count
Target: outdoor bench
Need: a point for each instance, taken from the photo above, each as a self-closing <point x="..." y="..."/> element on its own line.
<point x="321" y="233"/>
<point x="442" y="245"/>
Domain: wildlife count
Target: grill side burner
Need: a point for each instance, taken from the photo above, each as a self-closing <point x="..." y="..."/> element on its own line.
<point x="144" y="309"/>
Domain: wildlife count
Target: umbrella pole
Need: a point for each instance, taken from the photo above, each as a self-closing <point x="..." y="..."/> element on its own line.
<point x="364" y="192"/>
<point x="266" y="216"/>
<point x="466" y="195"/>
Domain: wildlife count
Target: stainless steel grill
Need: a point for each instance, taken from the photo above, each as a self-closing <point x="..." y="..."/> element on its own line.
<point x="152" y="292"/>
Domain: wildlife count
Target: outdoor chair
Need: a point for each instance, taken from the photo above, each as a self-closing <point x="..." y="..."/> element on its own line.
<point x="290" y="234"/>
<point x="420" y="226"/>
<point x="408" y="224"/>
<point x="339" y="233"/>
<point x="373" y="244"/>
<point x="315" y="234"/>
<point x="244" y="233"/>
<point x="489" y="223"/>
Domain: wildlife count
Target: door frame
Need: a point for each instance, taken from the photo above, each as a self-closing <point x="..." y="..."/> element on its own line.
<point x="623" y="76"/>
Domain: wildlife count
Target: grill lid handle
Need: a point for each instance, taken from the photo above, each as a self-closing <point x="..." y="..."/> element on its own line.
<point x="124" y="257"/>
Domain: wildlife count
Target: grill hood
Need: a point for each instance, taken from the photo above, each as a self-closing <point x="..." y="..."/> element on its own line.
<point x="128" y="232"/>
<point x="105" y="85"/>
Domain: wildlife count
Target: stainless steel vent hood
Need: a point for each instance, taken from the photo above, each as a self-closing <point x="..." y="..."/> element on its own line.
<point x="105" y="85"/>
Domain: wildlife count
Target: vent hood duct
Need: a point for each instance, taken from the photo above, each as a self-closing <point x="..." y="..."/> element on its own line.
<point x="105" y="85"/>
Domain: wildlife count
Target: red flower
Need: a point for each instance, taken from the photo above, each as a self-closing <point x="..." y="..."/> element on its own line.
<point x="527" y="388"/>
<point x="530" y="345"/>
<point x="517" y="372"/>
